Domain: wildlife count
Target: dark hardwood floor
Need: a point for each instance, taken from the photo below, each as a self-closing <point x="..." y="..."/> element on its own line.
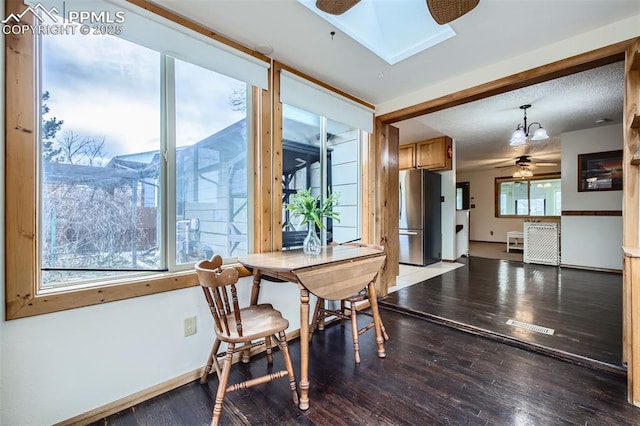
<point x="432" y="375"/>
<point x="583" y="307"/>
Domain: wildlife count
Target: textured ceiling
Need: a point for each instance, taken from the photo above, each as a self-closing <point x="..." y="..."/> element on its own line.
<point x="482" y="128"/>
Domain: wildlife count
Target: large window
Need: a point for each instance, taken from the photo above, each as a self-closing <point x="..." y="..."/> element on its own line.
<point x="211" y="201"/>
<point x="98" y="145"/>
<point x="538" y="196"/>
<point x="324" y="155"/>
<point x="107" y="176"/>
<point x="127" y="160"/>
<point x="323" y="134"/>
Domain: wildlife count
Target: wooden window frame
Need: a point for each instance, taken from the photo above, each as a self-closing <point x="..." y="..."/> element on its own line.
<point x="499" y="180"/>
<point x="367" y="160"/>
<point x="22" y="295"/>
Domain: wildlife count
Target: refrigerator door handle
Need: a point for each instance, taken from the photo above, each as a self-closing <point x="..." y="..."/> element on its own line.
<point x="408" y="233"/>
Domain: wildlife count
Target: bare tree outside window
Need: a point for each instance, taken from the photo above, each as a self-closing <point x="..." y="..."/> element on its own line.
<point x="90" y="220"/>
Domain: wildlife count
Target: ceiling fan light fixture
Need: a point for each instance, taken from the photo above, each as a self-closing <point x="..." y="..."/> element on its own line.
<point x="522" y="172"/>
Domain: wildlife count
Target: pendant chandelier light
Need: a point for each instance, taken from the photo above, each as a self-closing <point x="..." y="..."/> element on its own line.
<point x="522" y="132"/>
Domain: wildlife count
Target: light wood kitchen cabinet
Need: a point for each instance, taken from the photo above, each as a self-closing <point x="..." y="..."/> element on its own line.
<point x="434" y="154"/>
<point x="407" y="157"/>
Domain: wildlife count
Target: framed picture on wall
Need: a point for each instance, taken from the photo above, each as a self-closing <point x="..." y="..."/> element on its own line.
<point x="600" y="171"/>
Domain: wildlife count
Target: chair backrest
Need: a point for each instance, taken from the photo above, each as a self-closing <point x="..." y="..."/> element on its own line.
<point x="219" y="286"/>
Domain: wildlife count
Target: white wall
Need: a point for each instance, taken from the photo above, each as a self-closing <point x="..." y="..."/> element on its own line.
<point x="592" y="241"/>
<point x="482" y="194"/>
<point x="448" y="209"/>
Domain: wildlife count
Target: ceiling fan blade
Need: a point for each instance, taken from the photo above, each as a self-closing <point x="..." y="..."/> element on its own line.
<point x="525" y="162"/>
<point x="335" y="7"/>
<point x="445" y="11"/>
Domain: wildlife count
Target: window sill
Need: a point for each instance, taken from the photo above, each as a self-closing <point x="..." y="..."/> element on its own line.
<point x="55" y="300"/>
<point x="537" y="218"/>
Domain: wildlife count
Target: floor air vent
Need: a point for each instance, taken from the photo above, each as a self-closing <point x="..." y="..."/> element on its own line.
<point x="531" y="327"/>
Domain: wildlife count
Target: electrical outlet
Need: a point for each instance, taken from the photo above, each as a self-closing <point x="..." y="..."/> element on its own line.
<point x="189" y="326"/>
<point x="490" y="232"/>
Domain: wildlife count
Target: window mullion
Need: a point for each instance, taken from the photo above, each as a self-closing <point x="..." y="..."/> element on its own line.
<point x="323" y="174"/>
<point x="168" y="148"/>
<point x="254" y="110"/>
<point x="359" y="185"/>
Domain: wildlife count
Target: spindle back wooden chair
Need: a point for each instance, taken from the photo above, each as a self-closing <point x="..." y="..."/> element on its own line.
<point x="238" y="327"/>
<point x="321" y="312"/>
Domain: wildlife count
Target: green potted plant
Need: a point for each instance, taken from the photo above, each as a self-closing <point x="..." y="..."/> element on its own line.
<point x="312" y="210"/>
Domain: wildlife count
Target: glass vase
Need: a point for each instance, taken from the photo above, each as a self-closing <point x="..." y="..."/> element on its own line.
<point x="311" y="244"/>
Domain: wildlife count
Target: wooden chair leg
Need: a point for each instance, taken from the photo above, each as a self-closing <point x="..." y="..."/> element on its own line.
<point x="222" y="385"/>
<point x="385" y="336"/>
<point x="384" y="332"/>
<point x="342" y="310"/>
<point x="377" y="321"/>
<point x="207" y="369"/>
<point x="267" y="342"/>
<point x="354" y="331"/>
<point x="316" y="317"/>
<point x="322" y="304"/>
<point x="284" y="348"/>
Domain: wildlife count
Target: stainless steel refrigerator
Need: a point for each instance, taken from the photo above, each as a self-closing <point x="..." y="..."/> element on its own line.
<point x="420" y="217"/>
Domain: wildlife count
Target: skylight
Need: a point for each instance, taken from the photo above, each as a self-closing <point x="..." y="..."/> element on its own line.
<point x="393" y="30"/>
